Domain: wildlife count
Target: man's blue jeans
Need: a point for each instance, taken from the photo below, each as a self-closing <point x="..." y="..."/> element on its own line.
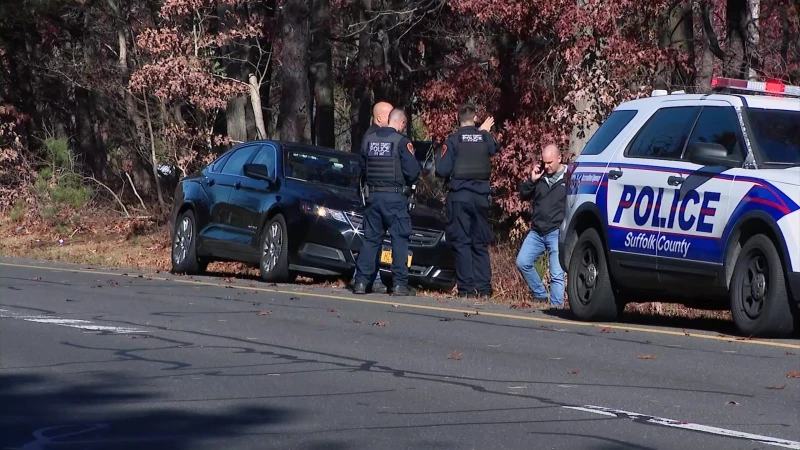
<point x="533" y="247"/>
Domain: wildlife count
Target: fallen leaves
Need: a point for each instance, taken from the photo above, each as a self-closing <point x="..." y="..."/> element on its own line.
<point x="333" y="310"/>
<point x="381" y="323"/>
<point x="264" y="313"/>
<point x="646" y="357"/>
<point x="113" y="282"/>
<point x="731" y="402"/>
<point x="606" y="330"/>
<point x="455" y="354"/>
<point x="793" y="374"/>
<point x="789" y="353"/>
<point x="776" y="388"/>
<point x="521" y="305"/>
<point x="229" y="279"/>
<point x="574" y="372"/>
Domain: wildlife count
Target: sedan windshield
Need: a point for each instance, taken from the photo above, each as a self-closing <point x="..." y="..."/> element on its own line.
<point x="776" y="133"/>
<point x="318" y="167"/>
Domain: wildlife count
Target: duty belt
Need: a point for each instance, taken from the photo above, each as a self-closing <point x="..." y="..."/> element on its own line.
<point x="398" y="190"/>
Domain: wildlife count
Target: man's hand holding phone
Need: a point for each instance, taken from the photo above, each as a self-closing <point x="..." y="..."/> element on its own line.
<point x="538" y="171"/>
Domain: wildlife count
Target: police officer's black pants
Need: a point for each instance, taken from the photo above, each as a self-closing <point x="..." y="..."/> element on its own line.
<point x="469" y="235"/>
<point x="385" y="211"/>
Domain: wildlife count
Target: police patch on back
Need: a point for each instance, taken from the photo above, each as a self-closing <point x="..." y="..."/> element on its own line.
<point x="471" y="138"/>
<point x="380" y="149"/>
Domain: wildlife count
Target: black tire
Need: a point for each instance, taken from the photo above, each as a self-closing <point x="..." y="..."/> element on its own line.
<point x="274" y="249"/>
<point x="760" y="303"/>
<point x="589" y="291"/>
<point x="184" y="246"/>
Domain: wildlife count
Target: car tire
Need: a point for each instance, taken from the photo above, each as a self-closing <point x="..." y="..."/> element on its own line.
<point x="760" y="303"/>
<point x="589" y="291"/>
<point x="184" y="246"/>
<point x="274" y="261"/>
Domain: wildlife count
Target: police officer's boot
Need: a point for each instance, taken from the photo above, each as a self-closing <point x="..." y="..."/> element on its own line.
<point x="404" y="291"/>
<point x="378" y="287"/>
<point x="359" y="288"/>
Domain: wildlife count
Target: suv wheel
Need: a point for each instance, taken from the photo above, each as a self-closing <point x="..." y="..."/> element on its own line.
<point x="184" y="246"/>
<point x="759" y="298"/>
<point x="274" y="262"/>
<point x="589" y="291"/>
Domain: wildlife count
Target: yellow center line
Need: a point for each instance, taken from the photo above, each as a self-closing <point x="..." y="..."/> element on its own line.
<point x="430" y="308"/>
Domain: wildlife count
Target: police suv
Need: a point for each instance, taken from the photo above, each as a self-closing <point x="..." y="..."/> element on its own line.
<point x="690" y="198"/>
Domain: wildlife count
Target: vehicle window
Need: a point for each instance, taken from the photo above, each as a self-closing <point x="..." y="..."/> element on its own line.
<point x="237" y="160"/>
<point x="219" y="163"/>
<point x="720" y="125"/>
<point x="267" y="156"/>
<point x="316" y="167"/>
<point x="775" y="131"/>
<point x="609" y="130"/>
<point x="664" y="136"/>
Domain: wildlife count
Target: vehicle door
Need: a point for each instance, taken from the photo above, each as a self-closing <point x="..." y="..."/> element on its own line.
<point x="211" y="218"/>
<point x="637" y="205"/>
<point x="698" y="198"/>
<point x="250" y="200"/>
<point x="229" y="178"/>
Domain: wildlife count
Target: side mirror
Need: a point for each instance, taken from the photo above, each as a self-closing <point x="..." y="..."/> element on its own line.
<point x="257" y="171"/>
<point x="712" y="154"/>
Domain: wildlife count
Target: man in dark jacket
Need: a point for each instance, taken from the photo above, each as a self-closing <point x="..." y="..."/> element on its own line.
<point x="548" y="193"/>
<point x="380" y="119"/>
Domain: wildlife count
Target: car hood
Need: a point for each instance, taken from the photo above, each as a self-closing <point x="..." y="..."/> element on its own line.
<point x="346" y="200"/>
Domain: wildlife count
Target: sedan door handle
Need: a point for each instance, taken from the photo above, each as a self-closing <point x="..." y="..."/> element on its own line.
<point x="210" y="181"/>
<point x="613" y="174"/>
<point x="237" y="185"/>
<point x="674" y="181"/>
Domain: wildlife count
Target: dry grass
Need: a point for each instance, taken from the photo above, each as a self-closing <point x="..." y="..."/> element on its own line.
<point x="98" y="239"/>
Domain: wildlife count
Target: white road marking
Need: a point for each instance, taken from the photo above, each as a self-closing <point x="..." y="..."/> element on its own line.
<point x="72" y="323"/>
<point x="686" y="425"/>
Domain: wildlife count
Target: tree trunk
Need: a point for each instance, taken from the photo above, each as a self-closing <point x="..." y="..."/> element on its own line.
<point x="360" y="107"/>
<point x="235" y="118"/>
<point x="321" y="71"/>
<point x="295" y="124"/>
<point x="736" y="64"/>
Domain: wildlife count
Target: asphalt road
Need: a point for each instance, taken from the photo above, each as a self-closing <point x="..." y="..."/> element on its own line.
<point x="103" y="358"/>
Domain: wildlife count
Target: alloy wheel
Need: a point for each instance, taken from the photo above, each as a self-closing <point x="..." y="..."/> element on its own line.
<point x="587" y="274"/>
<point x="755" y="284"/>
<point x="273" y="244"/>
<point x="183" y="239"/>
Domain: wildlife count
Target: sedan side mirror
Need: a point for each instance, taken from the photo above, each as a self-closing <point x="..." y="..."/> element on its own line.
<point x="712" y="154"/>
<point x="258" y="172"/>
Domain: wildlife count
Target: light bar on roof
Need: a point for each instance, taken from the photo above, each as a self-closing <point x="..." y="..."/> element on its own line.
<point x="764" y="87"/>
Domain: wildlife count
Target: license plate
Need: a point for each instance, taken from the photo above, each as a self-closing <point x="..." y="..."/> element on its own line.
<point x="386" y="257"/>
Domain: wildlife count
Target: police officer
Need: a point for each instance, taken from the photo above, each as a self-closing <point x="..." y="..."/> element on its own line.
<point x="465" y="161"/>
<point x="388" y="168"/>
<point x="380" y="118"/>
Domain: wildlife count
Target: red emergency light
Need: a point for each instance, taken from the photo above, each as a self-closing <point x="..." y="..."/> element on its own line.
<point x="764" y="87"/>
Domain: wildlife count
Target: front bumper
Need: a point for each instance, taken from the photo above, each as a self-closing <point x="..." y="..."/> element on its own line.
<point x="330" y="247"/>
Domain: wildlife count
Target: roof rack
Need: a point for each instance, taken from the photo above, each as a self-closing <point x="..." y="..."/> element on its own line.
<point x="762" y="87"/>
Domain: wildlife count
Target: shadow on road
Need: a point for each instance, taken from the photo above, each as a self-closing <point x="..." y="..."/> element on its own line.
<point x="111" y="411"/>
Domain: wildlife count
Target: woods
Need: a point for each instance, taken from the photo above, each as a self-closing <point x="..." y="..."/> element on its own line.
<point x="107" y="103"/>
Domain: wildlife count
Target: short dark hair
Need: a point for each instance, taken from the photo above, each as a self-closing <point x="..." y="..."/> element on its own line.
<point x="397" y="114"/>
<point x="466" y="112"/>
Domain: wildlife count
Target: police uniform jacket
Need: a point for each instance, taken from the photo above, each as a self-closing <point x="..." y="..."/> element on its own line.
<point x="387" y="161"/>
<point x="465" y="159"/>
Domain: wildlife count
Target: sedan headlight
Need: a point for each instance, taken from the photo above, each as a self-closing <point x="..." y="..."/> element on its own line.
<point x="321" y="211"/>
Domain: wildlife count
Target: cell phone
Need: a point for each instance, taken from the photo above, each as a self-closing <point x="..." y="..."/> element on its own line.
<point x="540" y="165"/>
